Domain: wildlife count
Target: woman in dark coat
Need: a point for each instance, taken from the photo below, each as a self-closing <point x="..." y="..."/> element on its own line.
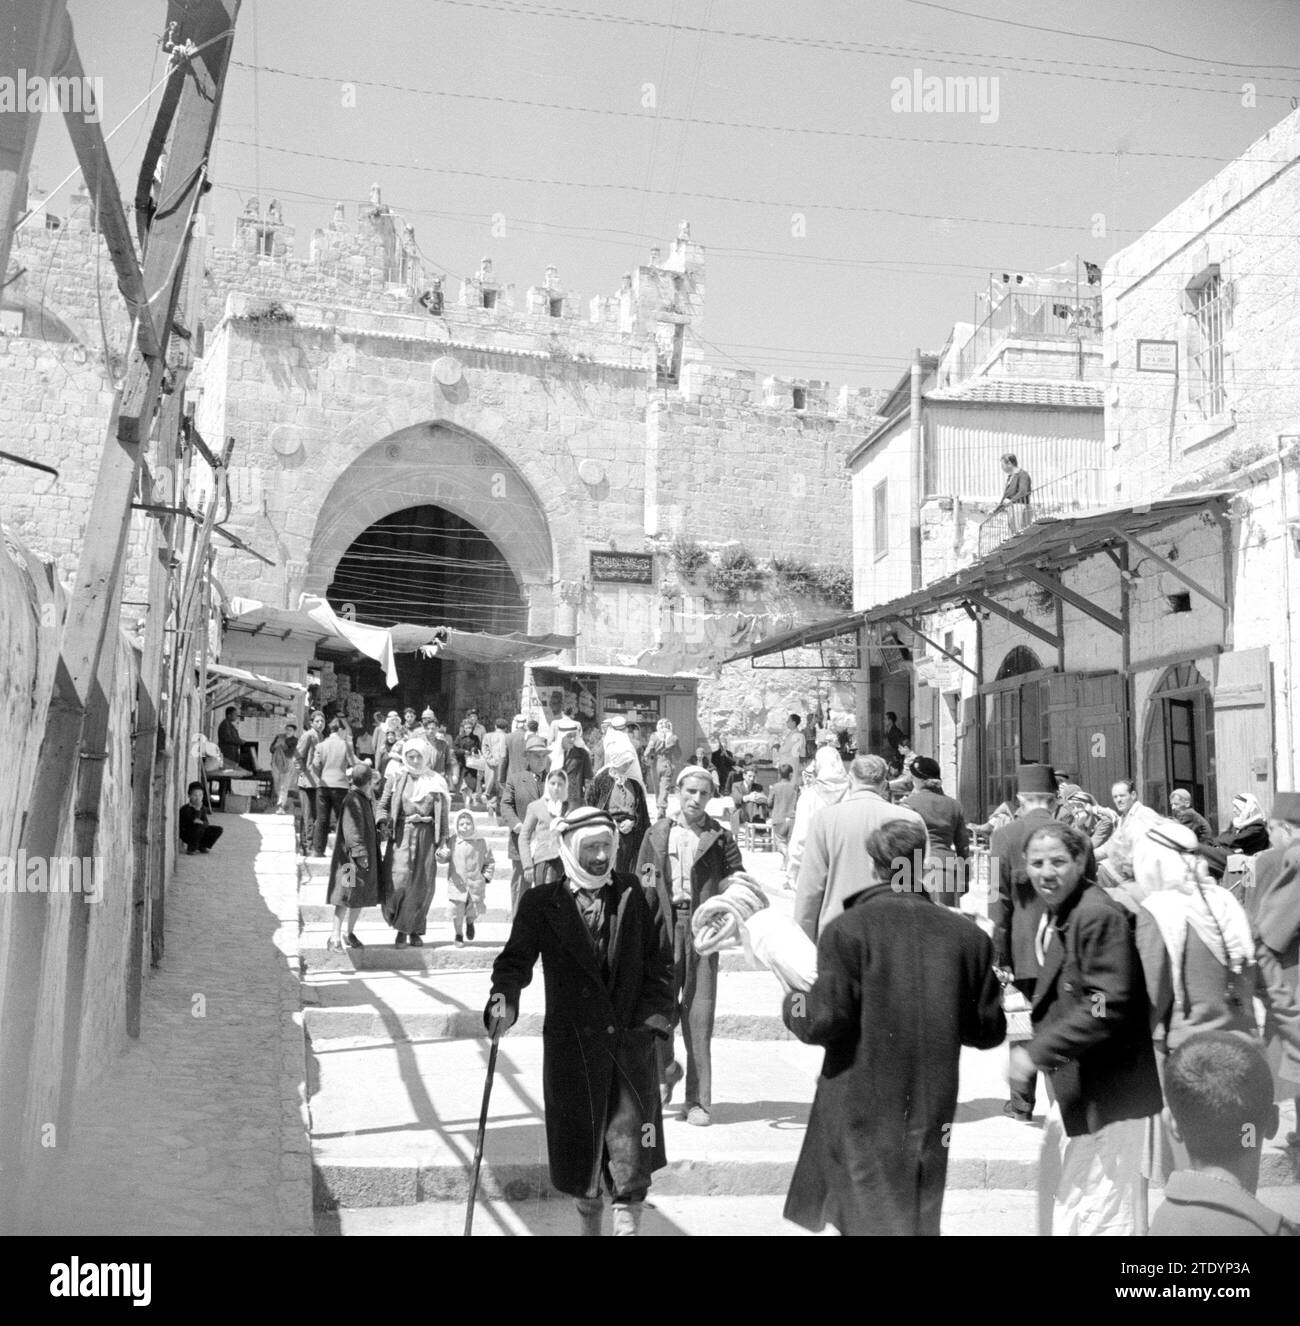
<point x="901" y="986"/>
<point x="354" y="868"/>
<point x="1092" y="1038"/>
<point x="616" y="791"/>
<point x="1248" y="832"/>
<point x="949" y="842"/>
<point x="608" y="973"/>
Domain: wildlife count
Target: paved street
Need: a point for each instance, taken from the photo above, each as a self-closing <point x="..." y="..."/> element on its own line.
<point x="199" y="1127"/>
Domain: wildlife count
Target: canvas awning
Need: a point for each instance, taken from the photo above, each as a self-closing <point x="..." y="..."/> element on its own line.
<point x="316" y="622"/>
<point x="812" y="634"/>
<point x="226" y="683"/>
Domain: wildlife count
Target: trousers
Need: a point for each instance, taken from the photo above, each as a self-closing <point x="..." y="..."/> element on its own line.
<point x="327" y="799"/>
<point x="695" y="996"/>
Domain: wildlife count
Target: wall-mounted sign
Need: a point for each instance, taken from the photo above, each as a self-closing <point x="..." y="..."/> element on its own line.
<point x="622" y="568"/>
<point x="1157" y="356"/>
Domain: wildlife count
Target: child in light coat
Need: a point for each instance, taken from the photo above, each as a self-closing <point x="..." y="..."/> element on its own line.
<point x="468" y="870"/>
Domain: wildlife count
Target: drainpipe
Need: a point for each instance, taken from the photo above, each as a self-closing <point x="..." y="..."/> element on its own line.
<point x="1286" y="592"/>
<point x="914" y="507"/>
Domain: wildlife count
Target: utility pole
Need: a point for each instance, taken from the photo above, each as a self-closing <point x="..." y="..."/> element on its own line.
<point x="70" y="768"/>
<point x="917" y="474"/>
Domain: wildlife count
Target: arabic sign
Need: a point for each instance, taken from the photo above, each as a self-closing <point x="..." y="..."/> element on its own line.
<point x="623" y="568"/>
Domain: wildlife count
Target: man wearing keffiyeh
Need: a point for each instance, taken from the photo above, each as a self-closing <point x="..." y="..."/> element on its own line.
<point x="608" y="972"/>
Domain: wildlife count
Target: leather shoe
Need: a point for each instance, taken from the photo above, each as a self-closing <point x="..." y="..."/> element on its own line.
<point x="353" y="941"/>
<point x="1013" y="1111"/>
<point x="400" y="941"/>
<point x="417" y="941"/>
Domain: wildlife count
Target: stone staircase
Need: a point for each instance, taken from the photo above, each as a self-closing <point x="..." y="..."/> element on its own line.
<point x="398" y="1056"/>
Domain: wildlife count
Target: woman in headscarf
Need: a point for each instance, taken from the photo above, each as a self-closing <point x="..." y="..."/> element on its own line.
<point x="569" y="753"/>
<point x="663" y="756"/>
<point x="945" y="824"/>
<point x="1248" y="832"/>
<point x="1198" y="958"/>
<point x="538" y="844"/>
<point x="827" y="786"/>
<point x="469" y="867"/>
<point x="617" y="790"/>
<point x="354" y="868"/>
<point x="417" y="807"/>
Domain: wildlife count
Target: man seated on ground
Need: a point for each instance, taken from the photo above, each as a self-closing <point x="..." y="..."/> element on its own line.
<point x="1220" y="1093"/>
<point x="196" y="833"/>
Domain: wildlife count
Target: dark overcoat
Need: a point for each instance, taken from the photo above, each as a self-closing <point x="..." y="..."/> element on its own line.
<point x="599" y="792"/>
<point x="1014" y="908"/>
<point x="1274" y="909"/>
<point x="1091" y="1017"/>
<point x="600" y="1075"/>
<point x="518" y="792"/>
<point x="356" y="842"/>
<point x="902" y="984"/>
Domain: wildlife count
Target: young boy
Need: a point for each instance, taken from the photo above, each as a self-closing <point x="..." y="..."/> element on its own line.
<point x="468" y="871"/>
<point x="196" y="833"/>
<point x="1220" y="1093"/>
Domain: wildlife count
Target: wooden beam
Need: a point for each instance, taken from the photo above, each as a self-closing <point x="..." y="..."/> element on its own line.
<point x="1015" y="618"/>
<point x="110" y="215"/>
<point x="1072" y="597"/>
<point x="1177" y="572"/>
<point x="87" y="655"/>
<point x="33" y="31"/>
<point x="938" y="648"/>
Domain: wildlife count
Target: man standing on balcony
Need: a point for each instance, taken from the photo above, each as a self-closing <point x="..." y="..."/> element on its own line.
<point x="1015" y="496"/>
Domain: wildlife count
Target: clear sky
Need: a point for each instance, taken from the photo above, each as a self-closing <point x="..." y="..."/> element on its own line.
<point x="594" y="136"/>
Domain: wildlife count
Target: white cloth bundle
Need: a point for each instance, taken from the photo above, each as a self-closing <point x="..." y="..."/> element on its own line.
<point x="783" y="948"/>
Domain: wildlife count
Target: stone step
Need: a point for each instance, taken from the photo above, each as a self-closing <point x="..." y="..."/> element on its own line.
<point x="438" y="953"/>
<point x="395" y="1123"/>
<point x="403" y="1006"/>
<point x="320" y="913"/>
<point x="990" y="1212"/>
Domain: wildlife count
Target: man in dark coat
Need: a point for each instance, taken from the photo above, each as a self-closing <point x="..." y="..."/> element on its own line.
<point x="1014" y="908"/>
<point x="1092" y="1034"/>
<point x="521" y="788"/>
<point x="608" y="974"/>
<point x="902" y="984"/>
<point x="686" y="857"/>
<point x="1180" y="809"/>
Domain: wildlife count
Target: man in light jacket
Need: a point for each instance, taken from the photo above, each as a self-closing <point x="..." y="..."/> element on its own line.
<point x="835" y="863"/>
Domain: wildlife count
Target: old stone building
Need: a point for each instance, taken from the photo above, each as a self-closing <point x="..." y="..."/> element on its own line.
<point x="420" y="450"/>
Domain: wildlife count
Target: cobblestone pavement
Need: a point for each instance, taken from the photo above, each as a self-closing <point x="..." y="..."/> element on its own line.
<point x="200" y="1127"/>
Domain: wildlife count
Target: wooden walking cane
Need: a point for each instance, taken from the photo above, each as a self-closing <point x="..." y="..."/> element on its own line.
<point x="482" y="1127"/>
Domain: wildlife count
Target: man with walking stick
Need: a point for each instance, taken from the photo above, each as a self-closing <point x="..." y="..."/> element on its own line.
<point x="609" y="999"/>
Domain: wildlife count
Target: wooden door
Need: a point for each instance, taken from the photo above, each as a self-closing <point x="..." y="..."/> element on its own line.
<point x="1087" y="725"/>
<point x="682" y="713"/>
<point x="969" y="791"/>
<point x="1243" y="728"/>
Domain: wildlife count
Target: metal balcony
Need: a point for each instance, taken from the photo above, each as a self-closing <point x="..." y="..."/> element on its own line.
<point x="1083" y="490"/>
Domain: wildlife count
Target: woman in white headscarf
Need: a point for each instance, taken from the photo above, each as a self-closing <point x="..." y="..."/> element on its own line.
<point x="1248" y="832"/>
<point x="828" y="785"/>
<point x="1198" y="958"/>
<point x="416" y="808"/>
<point x="617" y="790"/>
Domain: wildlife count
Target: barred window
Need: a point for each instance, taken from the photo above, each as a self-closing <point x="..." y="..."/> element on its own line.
<point x="1209" y="307"/>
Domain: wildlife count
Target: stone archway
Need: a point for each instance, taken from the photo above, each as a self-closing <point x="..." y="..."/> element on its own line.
<point x="438" y="464"/>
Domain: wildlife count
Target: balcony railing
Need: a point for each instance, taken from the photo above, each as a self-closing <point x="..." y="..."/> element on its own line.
<point x="1083" y="490"/>
<point x="1031" y="317"/>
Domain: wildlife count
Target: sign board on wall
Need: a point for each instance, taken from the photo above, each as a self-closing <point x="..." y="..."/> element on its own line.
<point x="1157" y="356"/>
<point x="622" y="568"/>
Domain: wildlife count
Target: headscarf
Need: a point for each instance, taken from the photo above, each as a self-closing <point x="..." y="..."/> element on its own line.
<point x="1251" y="811"/>
<point x="828" y="773"/>
<point x="583" y="824"/>
<point x="555" y="807"/>
<point x="465" y="815"/>
<point x="417" y="756"/>
<point x="1180" y="895"/>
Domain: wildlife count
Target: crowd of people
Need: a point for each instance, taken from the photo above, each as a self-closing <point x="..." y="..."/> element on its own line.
<point x="1148" y="965"/>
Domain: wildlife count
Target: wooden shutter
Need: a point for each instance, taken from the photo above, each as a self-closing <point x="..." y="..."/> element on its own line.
<point x="1087" y="729"/>
<point x="968" y="760"/>
<point x="1243" y="728"/>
